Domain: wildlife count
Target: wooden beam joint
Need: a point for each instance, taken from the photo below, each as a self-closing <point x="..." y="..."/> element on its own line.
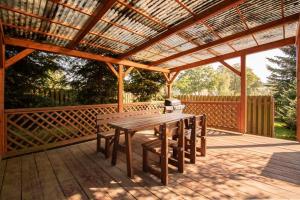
<point x="9" y="62"/>
<point x="225" y="64"/>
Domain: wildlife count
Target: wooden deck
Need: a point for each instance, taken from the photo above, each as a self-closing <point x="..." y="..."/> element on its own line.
<point x="239" y="167"/>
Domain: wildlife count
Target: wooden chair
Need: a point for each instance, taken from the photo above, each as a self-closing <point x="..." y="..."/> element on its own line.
<point x="161" y="147"/>
<point x="196" y="128"/>
<point x="107" y="134"/>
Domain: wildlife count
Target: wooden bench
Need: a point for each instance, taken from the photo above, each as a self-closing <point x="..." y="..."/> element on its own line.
<point x="107" y="133"/>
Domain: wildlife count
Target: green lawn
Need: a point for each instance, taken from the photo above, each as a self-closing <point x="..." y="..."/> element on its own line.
<point x="284" y="133"/>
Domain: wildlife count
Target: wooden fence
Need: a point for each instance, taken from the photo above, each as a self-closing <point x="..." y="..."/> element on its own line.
<point x="63" y="97"/>
<point x="223" y="112"/>
<point x="35" y="129"/>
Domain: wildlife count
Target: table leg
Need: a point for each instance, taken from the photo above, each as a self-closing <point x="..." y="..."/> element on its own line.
<point x="128" y="136"/>
<point x="115" y="147"/>
<point x="181" y="145"/>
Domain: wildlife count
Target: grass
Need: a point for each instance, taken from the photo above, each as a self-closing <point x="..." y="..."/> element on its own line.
<point x="282" y="132"/>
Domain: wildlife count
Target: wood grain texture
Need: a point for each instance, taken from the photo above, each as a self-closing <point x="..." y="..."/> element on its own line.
<point x="263" y="168"/>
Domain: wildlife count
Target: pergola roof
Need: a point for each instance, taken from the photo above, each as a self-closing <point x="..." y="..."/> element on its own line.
<point x="172" y="34"/>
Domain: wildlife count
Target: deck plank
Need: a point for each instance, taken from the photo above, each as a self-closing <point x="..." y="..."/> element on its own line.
<point x="236" y="167"/>
<point x="12" y="185"/>
<point x="92" y="186"/>
<point x="31" y="187"/>
<point x="70" y="187"/>
<point x="113" y="189"/>
<point x="49" y="183"/>
<point x="134" y="187"/>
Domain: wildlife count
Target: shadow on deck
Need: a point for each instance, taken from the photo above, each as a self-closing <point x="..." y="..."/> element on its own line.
<point x="237" y="166"/>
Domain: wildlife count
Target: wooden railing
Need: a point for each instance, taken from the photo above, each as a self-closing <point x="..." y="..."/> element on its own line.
<point x="35" y="129"/>
<point x="223" y="111"/>
<point x="220" y="115"/>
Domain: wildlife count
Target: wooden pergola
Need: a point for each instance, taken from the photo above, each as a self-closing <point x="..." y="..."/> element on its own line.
<point x="162" y="36"/>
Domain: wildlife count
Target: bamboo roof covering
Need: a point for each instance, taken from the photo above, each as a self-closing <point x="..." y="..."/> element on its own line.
<point x="164" y="33"/>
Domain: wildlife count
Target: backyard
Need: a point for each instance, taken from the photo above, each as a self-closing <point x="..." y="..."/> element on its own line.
<point x="162" y="99"/>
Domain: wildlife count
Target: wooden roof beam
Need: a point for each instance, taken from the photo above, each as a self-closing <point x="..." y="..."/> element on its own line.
<point x="99" y="12"/>
<point x="264" y="47"/>
<point x="289" y="19"/>
<point x="237" y="72"/>
<point x="221" y="7"/>
<point x="9" y="62"/>
<point x="298" y="31"/>
<point x="80" y="54"/>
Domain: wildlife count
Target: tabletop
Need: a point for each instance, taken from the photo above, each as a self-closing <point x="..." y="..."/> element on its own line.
<point x="135" y="123"/>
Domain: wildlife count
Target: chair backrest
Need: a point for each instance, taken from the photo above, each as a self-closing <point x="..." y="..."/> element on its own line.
<point x="200" y="122"/>
<point x="172" y="128"/>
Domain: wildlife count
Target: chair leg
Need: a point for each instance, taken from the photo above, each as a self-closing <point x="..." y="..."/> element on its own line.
<point x="98" y="143"/>
<point x="164" y="171"/>
<point x="107" y="148"/>
<point x="145" y="160"/>
<point x="203" y="147"/>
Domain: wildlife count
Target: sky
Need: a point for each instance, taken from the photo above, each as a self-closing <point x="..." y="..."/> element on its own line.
<point x="257" y="62"/>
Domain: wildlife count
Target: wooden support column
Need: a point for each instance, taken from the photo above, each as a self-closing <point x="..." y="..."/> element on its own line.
<point x="298" y="88"/>
<point x="243" y="98"/>
<point x="170" y="79"/>
<point x="2" y="81"/>
<point x="169" y="86"/>
<point x="120" y="89"/>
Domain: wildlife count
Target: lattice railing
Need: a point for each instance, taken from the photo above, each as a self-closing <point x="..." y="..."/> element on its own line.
<point x="35" y="129"/>
<point x="220" y="115"/>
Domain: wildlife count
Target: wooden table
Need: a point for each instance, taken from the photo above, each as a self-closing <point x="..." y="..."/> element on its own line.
<point x="131" y="125"/>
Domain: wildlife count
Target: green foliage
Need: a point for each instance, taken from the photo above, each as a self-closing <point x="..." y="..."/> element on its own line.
<point x="207" y="81"/>
<point x="283" y="83"/>
<point x="144" y="84"/>
<point x="29" y="75"/>
<point x="93" y="81"/>
<point x="282" y="131"/>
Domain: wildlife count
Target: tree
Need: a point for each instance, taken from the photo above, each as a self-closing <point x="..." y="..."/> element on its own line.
<point x="196" y="80"/>
<point x="144" y="84"/>
<point x="220" y="81"/>
<point x="93" y="81"/>
<point x="283" y="83"/>
<point x="28" y="76"/>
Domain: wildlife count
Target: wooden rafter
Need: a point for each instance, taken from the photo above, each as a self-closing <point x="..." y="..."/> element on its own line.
<point x="298" y="32"/>
<point x="225" y="5"/>
<point x="264" y="47"/>
<point x="127" y="72"/>
<point x="174" y="76"/>
<point x="170" y="77"/>
<point x="292" y="18"/>
<point x="80" y="54"/>
<point x="9" y="62"/>
<point x="243" y="18"/>
<point x="2" y="86"/>
<point x="91" y="22"/>
<point x="237" y="72"/>
<point x="112" y="69"/>
<point x="166" y="75"/>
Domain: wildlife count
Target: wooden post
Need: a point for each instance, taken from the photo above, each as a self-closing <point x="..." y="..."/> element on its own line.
<point x="243" y="98"/>
<point x="120" y="89"/>
<point x="169" y="86"/>
<point x="2" y="79"/>
<point x="298" y="89"/>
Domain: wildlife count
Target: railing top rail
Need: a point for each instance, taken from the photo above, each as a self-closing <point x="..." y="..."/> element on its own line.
<point x="211" y="102"/>
<point x="59" y="108"/>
